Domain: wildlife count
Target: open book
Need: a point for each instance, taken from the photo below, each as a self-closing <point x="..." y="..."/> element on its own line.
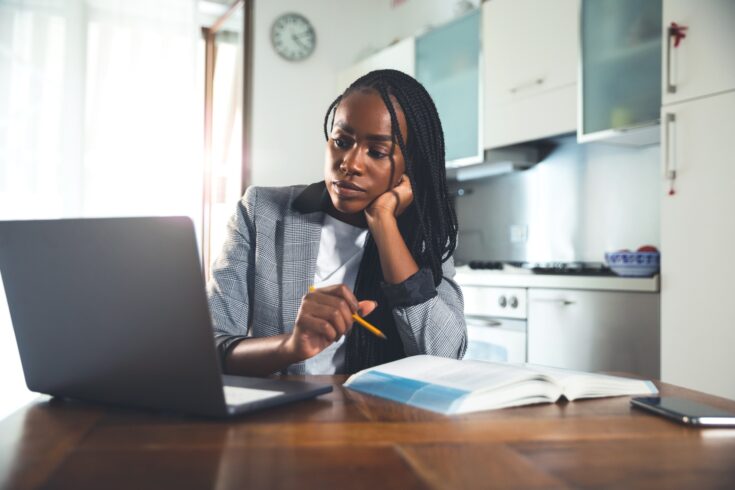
<point x="450" y="386"/>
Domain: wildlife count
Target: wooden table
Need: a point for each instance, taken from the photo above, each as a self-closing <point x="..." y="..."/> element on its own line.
<point x="349" y="440"/>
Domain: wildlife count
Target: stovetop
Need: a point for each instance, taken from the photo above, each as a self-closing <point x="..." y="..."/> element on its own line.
<point x="558" y="268"/>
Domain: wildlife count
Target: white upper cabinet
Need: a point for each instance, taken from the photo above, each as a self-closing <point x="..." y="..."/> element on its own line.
<point x="399" y="56"/>
<point x="702" y="63"/>
<point x="529" y="57"/>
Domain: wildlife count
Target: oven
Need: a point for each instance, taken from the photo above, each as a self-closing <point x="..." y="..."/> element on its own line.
<point x="496" y="323"/>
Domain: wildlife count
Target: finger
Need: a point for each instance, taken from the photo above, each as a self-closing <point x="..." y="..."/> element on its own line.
<point x="406" y="189"/>
<point x="367" y="307"/>
<point x="340" y="319"/>
<point x="343" y="292"/>
<point x="405" y="182"/>
<point x="336" y="303"/>
<point x="405" y="192"/>
<point x="319" y="296"/>
<point x="320" y="327"/>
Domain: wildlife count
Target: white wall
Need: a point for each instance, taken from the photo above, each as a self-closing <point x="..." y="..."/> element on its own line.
<point x="290" y="98"/>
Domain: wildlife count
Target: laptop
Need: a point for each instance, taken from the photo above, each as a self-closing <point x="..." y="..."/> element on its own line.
<point x="114" y="310"/>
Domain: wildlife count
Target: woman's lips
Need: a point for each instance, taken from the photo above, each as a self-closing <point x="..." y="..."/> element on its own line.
<point x="347" y="189"/>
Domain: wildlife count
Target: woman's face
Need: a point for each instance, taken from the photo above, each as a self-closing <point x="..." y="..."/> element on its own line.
<point x="358" y="167"/>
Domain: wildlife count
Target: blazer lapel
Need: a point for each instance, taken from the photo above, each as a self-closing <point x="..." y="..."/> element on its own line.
<point x="301" y="236"/>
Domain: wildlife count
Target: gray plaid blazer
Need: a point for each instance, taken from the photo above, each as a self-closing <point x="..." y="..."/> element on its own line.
<point x="268" y="262"/>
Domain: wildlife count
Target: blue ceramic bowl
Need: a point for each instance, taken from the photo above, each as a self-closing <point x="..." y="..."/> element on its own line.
<point x="634" y="264"/>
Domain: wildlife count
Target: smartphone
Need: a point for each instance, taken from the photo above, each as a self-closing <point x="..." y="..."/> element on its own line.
<point x="685" y="411"/>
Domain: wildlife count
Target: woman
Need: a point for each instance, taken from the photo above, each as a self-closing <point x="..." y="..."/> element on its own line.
<point x="380" y="224"/>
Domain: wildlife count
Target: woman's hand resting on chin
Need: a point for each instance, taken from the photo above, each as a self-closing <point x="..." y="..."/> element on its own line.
<point x="391" y="203"/>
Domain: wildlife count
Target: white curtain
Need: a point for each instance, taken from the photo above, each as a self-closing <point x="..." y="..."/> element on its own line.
<point x="100" y="115"/>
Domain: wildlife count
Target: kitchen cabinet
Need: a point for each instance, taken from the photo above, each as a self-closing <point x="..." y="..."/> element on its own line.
<point x="620" y="71"/>
<point x="530" y="73"/>
<point x="496" y="323"/>
<point x="398" y="56"/>
<point x="697" y="233"/>
<point x="448" y="65"/>
<point x="701" y="64"/>
<point x="594" y="330"/>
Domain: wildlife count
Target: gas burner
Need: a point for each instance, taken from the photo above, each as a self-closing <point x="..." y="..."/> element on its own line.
<point x="495" y="264"/>
<point x="572" y="268"/>
<point x="562" y="268"/>
<point x="485" y="264"/>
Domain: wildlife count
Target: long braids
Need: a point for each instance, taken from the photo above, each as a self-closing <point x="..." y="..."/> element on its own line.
<point x="429" y="225"/>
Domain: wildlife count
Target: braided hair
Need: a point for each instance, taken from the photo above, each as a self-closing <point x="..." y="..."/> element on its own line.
<point x="428" y="225"/>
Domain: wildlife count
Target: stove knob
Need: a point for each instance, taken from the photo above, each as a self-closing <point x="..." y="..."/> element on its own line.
<point x="513" y="302"/>
<point x="502" y="301"/>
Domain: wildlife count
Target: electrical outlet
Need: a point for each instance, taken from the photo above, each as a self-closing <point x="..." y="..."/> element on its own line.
<point x="518" y="233"/>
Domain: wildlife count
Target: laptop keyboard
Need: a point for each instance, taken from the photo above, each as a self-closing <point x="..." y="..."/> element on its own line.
<point x="235" y="395"/>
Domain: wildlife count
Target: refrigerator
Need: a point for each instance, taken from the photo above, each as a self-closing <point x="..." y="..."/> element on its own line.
<point x="698" y="196"/>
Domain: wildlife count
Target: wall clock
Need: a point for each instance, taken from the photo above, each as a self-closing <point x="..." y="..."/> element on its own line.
<point x="293" y="37"/>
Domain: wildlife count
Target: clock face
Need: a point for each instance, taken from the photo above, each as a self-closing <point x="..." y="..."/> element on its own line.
<point x="293" y="37"/>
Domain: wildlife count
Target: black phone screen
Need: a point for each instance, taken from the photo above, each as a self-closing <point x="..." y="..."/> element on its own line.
<point x="686" y="411"/>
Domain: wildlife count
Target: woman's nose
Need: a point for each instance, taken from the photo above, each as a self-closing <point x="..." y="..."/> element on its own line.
<point x="352" y="162"/>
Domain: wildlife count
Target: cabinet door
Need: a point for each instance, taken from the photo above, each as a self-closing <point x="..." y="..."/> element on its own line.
<point x="400" y="56"/>
<point x="447" y="64"/>
<point x="594" y="331"/>
<point x="704" y="61"/>
<point x="697" y="236"/>
<point x="621" y="71"/>
<point x="530" y="69"/>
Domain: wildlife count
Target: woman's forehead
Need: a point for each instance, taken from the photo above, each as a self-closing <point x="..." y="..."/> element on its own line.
<point x="365" y="111"/>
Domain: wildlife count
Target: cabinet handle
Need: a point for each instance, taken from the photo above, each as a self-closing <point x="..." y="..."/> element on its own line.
<point x="562" y="302"/>
<point x="669" y="154"/>
<point x="487" y="322"/>
<point x="677" y="33"/>
<point x="527" y="85"/>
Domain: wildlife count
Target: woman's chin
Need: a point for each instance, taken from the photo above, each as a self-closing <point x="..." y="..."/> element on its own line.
<point x="347" y="205"/>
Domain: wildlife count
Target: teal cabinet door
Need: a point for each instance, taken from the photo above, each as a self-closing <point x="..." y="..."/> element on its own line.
<point x="620" y="68"/>
<point x="447" y="64"/>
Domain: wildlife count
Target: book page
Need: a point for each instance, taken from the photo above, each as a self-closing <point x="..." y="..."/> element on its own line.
<point x="580" y="384"/>
<point x="464" y="375"/>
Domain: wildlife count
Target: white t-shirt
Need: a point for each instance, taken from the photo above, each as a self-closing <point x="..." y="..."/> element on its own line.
<point x="340" y="252"/>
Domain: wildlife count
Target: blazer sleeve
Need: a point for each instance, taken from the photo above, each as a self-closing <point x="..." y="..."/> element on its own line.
<point x="231" y="284"/>
<point x="430" y="320"/>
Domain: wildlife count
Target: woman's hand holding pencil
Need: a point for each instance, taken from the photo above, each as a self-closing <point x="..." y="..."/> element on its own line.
<point x="324" y="316"/>
<point x="368" y="326"/>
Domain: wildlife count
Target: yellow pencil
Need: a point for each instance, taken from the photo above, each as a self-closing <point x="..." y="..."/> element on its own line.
<point x="362" y="322"/>
<point x="368" y="326"/>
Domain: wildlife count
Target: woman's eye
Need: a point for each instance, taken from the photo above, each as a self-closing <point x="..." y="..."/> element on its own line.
<point x="339" y="143"/>
<point x="377" y="154"/>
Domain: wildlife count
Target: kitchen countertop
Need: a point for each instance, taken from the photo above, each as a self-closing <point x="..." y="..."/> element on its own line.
<point x="495" y="278"/>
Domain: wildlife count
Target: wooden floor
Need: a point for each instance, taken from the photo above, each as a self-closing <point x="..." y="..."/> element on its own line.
<point x="348" y="440"/>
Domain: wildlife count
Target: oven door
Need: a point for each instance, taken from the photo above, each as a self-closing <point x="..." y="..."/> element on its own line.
<point x="496" y="339"/>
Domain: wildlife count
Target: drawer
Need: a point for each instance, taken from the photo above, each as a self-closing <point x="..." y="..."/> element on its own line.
<point x="495" y="302"/>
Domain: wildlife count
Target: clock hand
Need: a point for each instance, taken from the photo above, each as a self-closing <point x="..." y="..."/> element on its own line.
<point x="298" y="41"/>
